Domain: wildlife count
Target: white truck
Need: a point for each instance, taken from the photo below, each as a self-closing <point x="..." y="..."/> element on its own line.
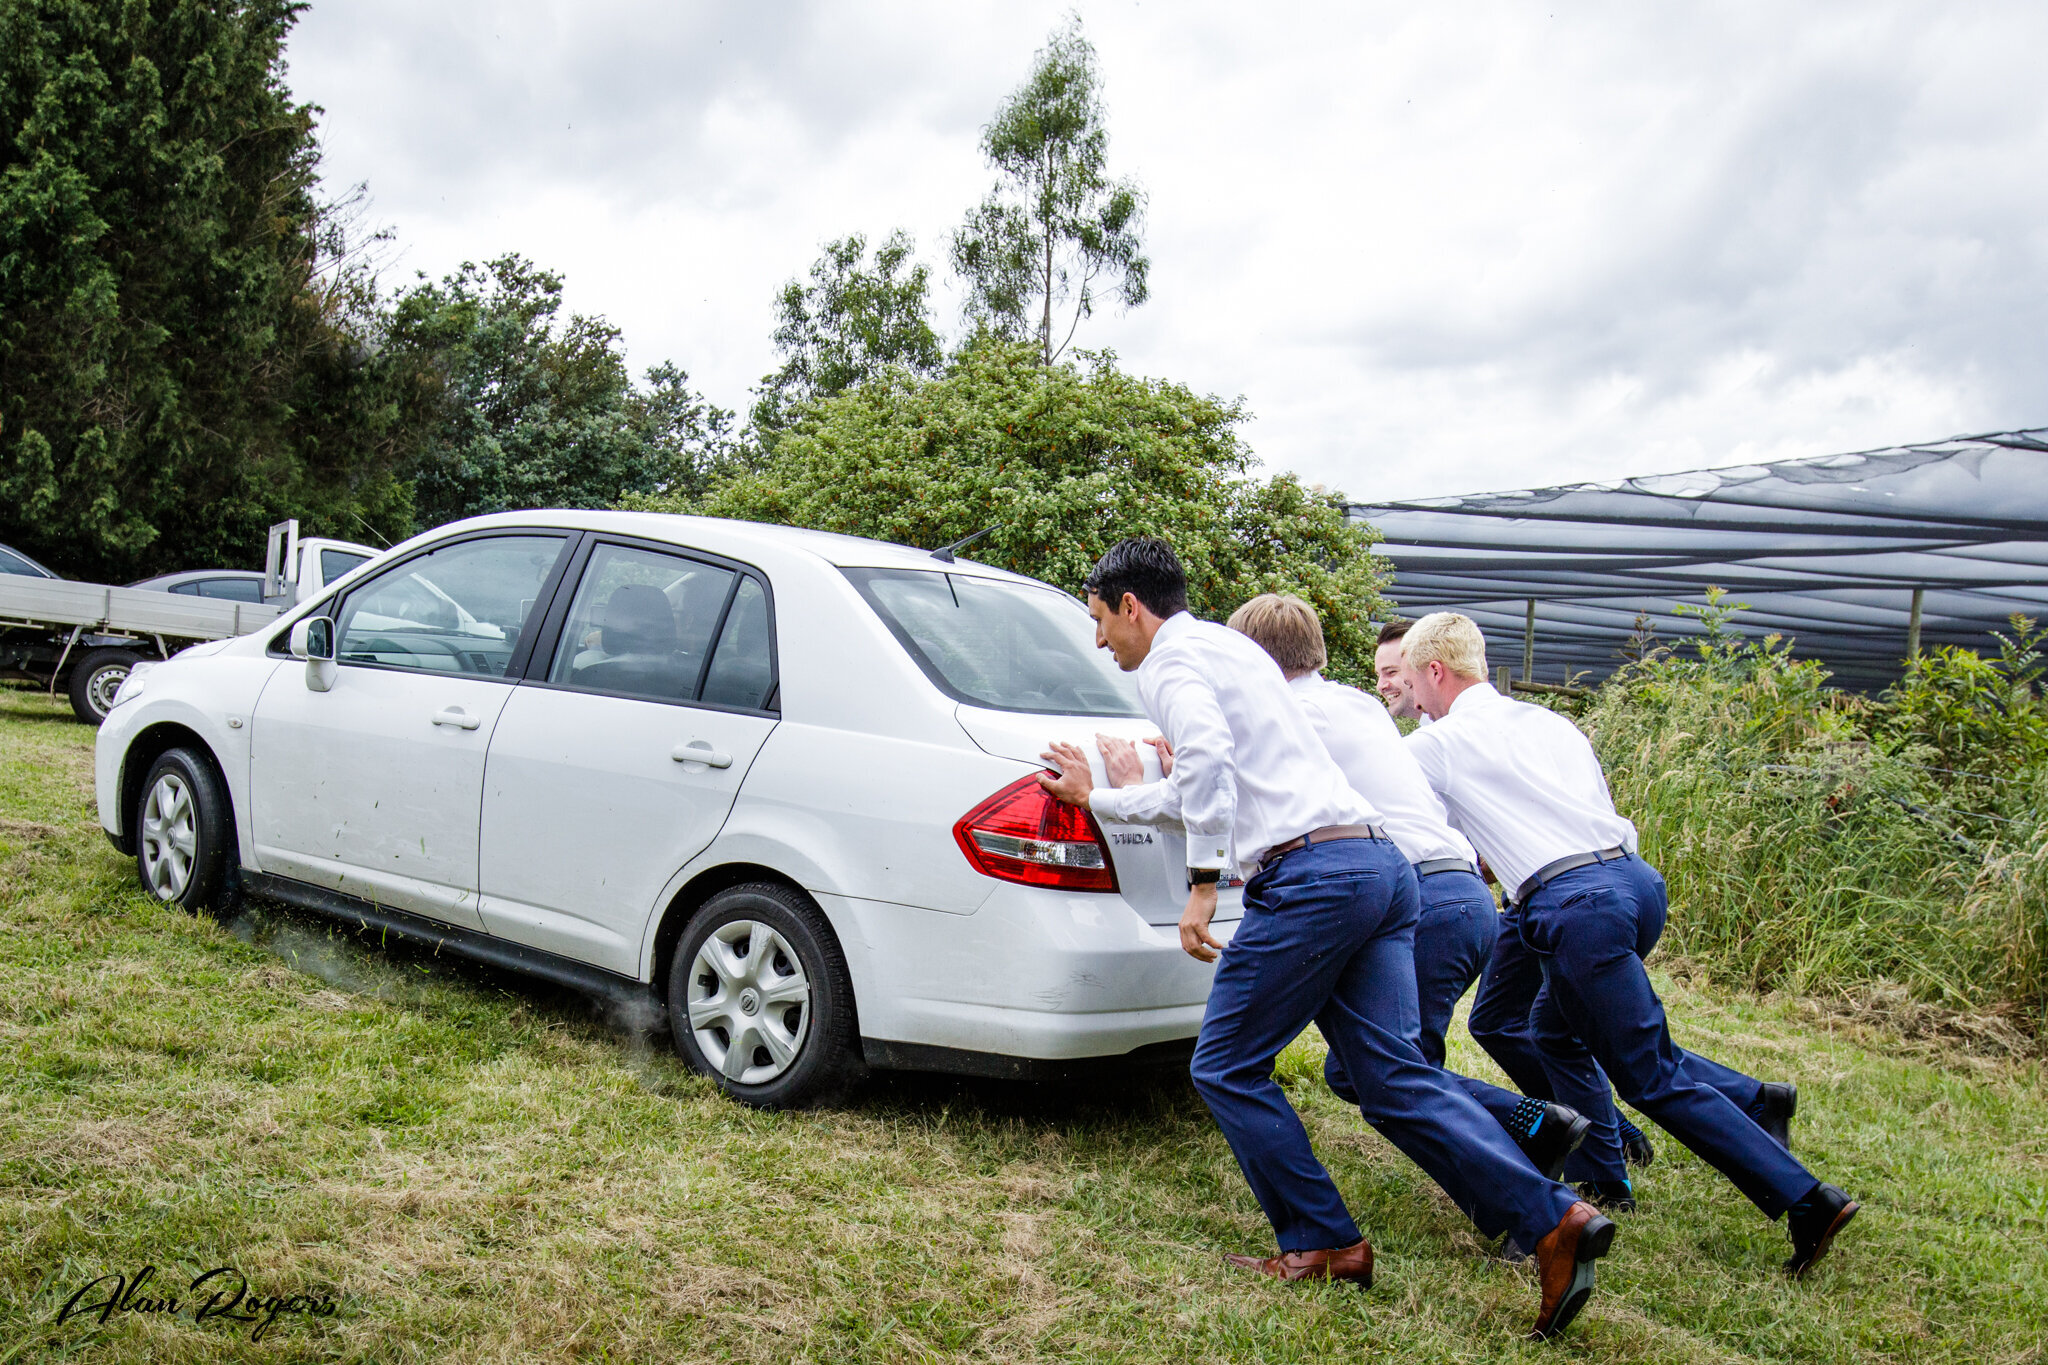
<point x="84" y="637"/>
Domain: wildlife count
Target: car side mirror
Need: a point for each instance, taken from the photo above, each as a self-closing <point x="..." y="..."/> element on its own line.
<point x="313" y="641"/>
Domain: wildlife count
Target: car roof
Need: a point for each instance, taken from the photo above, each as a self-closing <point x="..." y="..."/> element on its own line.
<point x="736" y="538"/>
<point x="43" y="569"/>
<point x="196" y="575"/>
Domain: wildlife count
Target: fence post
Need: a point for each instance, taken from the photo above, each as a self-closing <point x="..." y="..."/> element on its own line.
<point x="1529" y="644"/>
<point x="1913" y="625"/>
<point x="1503" y="680"/>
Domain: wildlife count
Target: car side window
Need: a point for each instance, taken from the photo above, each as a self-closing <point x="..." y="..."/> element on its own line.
<point x="743" y="667"/>
<point x="641" y="624"/>
<point x="230" y="589"/>
<point x="457" y="609"/>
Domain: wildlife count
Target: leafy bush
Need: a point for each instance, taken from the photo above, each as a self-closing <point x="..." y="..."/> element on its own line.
<point x="1814" y="838"/>
<point x="1056" y="463"/>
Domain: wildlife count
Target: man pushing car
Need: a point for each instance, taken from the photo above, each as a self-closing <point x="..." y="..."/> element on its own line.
<point x="1327" y="936"/>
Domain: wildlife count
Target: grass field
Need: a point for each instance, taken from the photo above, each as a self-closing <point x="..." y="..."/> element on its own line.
<point x="471" y="1168"/>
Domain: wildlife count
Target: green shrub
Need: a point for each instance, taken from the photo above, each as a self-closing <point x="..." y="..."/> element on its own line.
<point x="1815" y="839"/>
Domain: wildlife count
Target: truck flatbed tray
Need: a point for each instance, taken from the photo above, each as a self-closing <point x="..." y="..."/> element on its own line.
<point x="56" y="604"/>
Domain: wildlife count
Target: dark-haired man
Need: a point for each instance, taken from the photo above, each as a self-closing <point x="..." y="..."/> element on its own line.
<point x="1327" y="937"/>
<point x="1395" y="687"/>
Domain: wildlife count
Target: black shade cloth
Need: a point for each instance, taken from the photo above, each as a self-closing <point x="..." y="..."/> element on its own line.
<point x="1825" y="550"/>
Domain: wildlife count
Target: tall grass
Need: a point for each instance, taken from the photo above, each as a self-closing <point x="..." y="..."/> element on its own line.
<point x="1817" y="840"/>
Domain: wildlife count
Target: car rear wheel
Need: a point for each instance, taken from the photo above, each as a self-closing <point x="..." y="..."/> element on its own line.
<point x="183" y="832"/>
<point x="759" y="999"/>
<point x="96" y="679"/>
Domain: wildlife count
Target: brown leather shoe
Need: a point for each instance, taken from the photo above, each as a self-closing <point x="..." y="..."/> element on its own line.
<point x="1564" y="1266"/>
<point x="1352" y="1263"/>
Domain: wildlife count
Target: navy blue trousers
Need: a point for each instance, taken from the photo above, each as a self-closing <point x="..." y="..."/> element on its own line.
<point x="1501" y="1023"/>
<point x="1328" y="937"/>
<point x="1591" y="928"/>
<point x="1454" y="938"/>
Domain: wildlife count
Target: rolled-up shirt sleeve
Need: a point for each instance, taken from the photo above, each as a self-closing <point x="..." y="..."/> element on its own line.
<point x="1201" y="795"/>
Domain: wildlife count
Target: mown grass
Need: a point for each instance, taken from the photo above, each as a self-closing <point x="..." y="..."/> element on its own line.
<point x="483" y="1170"/>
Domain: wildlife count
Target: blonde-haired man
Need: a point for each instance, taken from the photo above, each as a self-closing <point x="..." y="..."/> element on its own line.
<point x="1523" y="784"/>
<point x="1454" y="934"/>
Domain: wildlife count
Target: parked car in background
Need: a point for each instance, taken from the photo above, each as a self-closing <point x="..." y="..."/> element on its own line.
<point x="227" y="585"/>
<point x="14" y="561"/>
<point x="781" y="780"/>
<point x="84" y="638"/>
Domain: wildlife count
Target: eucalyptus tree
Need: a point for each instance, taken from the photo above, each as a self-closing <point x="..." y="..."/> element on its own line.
<point x="1056" y="234"/>
<point x="853" y="320"/>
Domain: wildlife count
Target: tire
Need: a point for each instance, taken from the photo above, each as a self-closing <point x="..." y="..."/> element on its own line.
<point x="786" y="999"/>
<point x="96" y="679"/>
<point x="184" y="832"/>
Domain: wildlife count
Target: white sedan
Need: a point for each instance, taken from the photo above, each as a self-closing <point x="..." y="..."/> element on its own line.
<point x="782" y="779"/>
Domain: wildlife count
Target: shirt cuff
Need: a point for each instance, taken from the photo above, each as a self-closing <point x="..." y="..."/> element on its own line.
<point x="1102" y="801"/>
<point x="1208" y="850"/>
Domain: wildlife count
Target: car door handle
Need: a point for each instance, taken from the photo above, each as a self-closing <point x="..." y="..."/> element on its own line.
<point x="457" y="717"/>
<point x="697" y="751"/>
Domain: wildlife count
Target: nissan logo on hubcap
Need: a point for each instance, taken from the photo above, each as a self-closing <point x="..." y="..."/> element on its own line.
<point x="750" y="1003"/>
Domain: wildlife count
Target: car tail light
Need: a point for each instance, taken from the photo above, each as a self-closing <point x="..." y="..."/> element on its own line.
<point x="1023" y="835"/>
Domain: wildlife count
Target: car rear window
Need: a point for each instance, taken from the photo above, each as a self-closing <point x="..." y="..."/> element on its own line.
<point x="335" y="563"/>
<point x="1009" y="646"/>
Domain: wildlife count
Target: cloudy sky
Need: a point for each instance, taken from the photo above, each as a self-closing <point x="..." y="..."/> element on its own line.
<point x="1437" y="249"/>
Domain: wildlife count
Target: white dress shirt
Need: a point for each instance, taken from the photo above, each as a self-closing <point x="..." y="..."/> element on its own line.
<point x="1248" y="770"/>
<point x="1521" y="782"/>
<point x="1363" y="739"/>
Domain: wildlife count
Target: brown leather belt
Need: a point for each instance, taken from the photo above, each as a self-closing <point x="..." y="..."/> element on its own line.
<point x="1320" y="836"/>
<point x="1429" y="867"/>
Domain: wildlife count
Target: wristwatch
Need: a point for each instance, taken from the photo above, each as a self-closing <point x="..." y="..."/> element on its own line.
<point x="1204" y="876"/>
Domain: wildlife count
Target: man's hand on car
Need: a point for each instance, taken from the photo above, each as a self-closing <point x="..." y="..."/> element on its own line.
<point x="1120" y="760"/>
<point x="1194" y="923"/>
<point x="1075" y="781"/>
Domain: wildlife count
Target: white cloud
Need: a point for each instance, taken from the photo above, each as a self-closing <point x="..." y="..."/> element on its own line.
<point x="1437" y="249"/>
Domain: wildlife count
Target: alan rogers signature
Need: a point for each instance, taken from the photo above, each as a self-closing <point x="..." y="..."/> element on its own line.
<point x="227" y="1296"/>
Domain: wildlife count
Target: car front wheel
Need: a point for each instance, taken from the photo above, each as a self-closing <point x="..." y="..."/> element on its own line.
<point x="759" y="999"/>
<point x="184" y="831"/>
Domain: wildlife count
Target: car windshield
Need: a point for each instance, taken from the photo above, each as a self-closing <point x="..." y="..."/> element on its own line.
<point x="1010" y="646"/>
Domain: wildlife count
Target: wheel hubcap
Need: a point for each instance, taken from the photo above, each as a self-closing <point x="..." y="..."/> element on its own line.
<point x="101" y="687"/>
<point x="749" y="1002"/>
<point x="170" y="838"/>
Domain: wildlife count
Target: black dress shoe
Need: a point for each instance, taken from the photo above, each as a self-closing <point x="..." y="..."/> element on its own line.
<point x="1775" y="1105"/>
<point x="1635" y="1144"/>
<point x="1813" y="1223"/>
<point x="1616" y="1195"/>
<point x="1548" y="1133"/>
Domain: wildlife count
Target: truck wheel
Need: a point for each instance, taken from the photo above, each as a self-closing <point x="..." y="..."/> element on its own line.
<point x="759" y="999"/>
<point x="95" y="680"/>
<point x="184" y="832"/>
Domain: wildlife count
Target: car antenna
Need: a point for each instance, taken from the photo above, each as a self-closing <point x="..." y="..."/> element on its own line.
<point x="944" y="554"/>
<point x="367" y="527"/>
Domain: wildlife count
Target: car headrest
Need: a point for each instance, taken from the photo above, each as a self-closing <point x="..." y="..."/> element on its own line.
<point x="637" y="620"/>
